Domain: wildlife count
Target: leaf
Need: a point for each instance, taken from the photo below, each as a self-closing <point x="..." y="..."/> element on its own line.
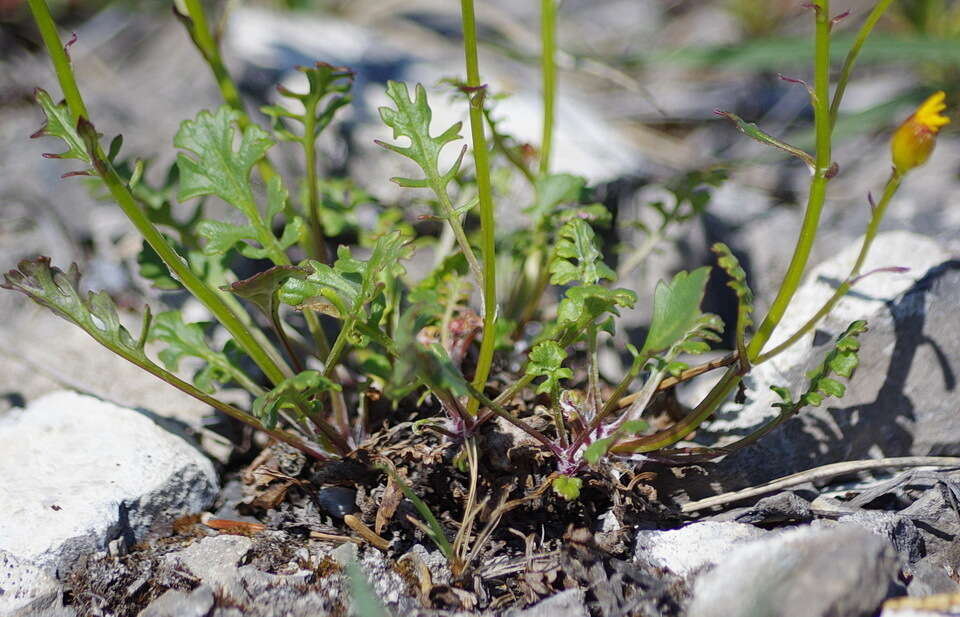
<point x="584" y="304"/>
<point x="263" y="288"/>
<point x="222" y="236"/>
<point x="59" y="123"/>
<point x="577" y="241"/>
<point x="188" y="340"/>
<point x="546" y="360"/>
<point x="597" y="450"/>
<point x="349" y="285"/>
<point x="676" y="308"/>
<point x="218" y="168"/>
<point x="553" y="190"/>
<point x="753" y="131"/>
<point x="60" y="292"/>
<point x="289" y="394"/>
<point x="323" y="80"/>
<point x="411" y="119"/>
<point x="842" y="360"/>
<point x="567" y="487"/>
<point x="738" y="283"/>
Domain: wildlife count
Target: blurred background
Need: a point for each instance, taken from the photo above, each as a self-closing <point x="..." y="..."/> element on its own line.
<point x="640" y="81"/>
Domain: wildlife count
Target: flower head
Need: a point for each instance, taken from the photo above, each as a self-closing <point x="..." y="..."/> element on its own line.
<point x="914" y="140"/>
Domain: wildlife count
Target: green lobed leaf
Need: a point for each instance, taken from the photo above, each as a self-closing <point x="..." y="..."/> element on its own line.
<point x="323" y="80"/>
<point x="58" y="123"/>
<point x="546" y="360"/>
<point x="350" y="284"/>
<point x="676" y="309"/>
<point x="582" y="305"/>
<point x="841" y="360"/>
<point x="738" y="283"/>
<point x="216" y="167"/>
<point x="60" y="292"/>
<point x="188" y="340"/>
<point x="576" y="256"/>
<point x="411" y="119"/>
<point x="211" y="165"/>
<point x="289" y="394"/>
<point x="567" y="487"/>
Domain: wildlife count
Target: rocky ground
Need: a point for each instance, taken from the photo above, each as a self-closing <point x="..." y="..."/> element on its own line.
<point x="123" y="497"/>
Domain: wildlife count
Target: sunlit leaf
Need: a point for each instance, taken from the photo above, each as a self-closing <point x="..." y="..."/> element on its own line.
<point x="546" y="360"/>
<point x="676" y="308"/>
<point x="577" y="257"/>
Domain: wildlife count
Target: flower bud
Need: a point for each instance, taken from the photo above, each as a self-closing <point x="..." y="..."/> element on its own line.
<point x="913" y="142"/>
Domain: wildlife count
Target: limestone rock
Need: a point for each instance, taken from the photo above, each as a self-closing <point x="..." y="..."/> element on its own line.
<point x="78" y="473"/>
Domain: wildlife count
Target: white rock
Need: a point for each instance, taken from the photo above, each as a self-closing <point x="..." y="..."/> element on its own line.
<point x="78" y="473"/>
<point x="690" y="548"/>
<point x="24" y="588"/>
<point x="801" y="572"/>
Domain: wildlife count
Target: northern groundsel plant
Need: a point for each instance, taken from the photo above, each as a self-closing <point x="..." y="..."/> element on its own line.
<point x="411" y="341"/>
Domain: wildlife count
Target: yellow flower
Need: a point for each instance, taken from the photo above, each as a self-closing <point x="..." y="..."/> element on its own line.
<point x="914" y="140"/>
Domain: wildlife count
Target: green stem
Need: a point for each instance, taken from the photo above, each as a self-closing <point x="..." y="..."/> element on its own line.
<point x="58" y="55"/>
<point x="481" y="157"/>
<point x="878" y="10"/>
<point x="818" y="185"/>
<point x="208" y="47"/>
<point x="688" y="424"/>
<point x="548" y="33"/>
<point x="892" y="185"/>
<point x="318" y="246"/>
<point x="278" y="328"/>
<point x="339" y="344"/>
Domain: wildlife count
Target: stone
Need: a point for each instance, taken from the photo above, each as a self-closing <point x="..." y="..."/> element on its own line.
<point x="337" y="501"/>
<point x="785" y="507"/>
<point x="25" y="589"/>
<point x="803" y="572"/>
<point x="936" y="517"/>
<point x="213" y="560"/>
<point x="899" y="402"/>
<point x="568" y="603"/>
<point x="173" y="603"/>
<point x="695" y="546"/>
<point x="929" y="578"/>
<point x="898" y="530"/>
<point x="78" y="473"/>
